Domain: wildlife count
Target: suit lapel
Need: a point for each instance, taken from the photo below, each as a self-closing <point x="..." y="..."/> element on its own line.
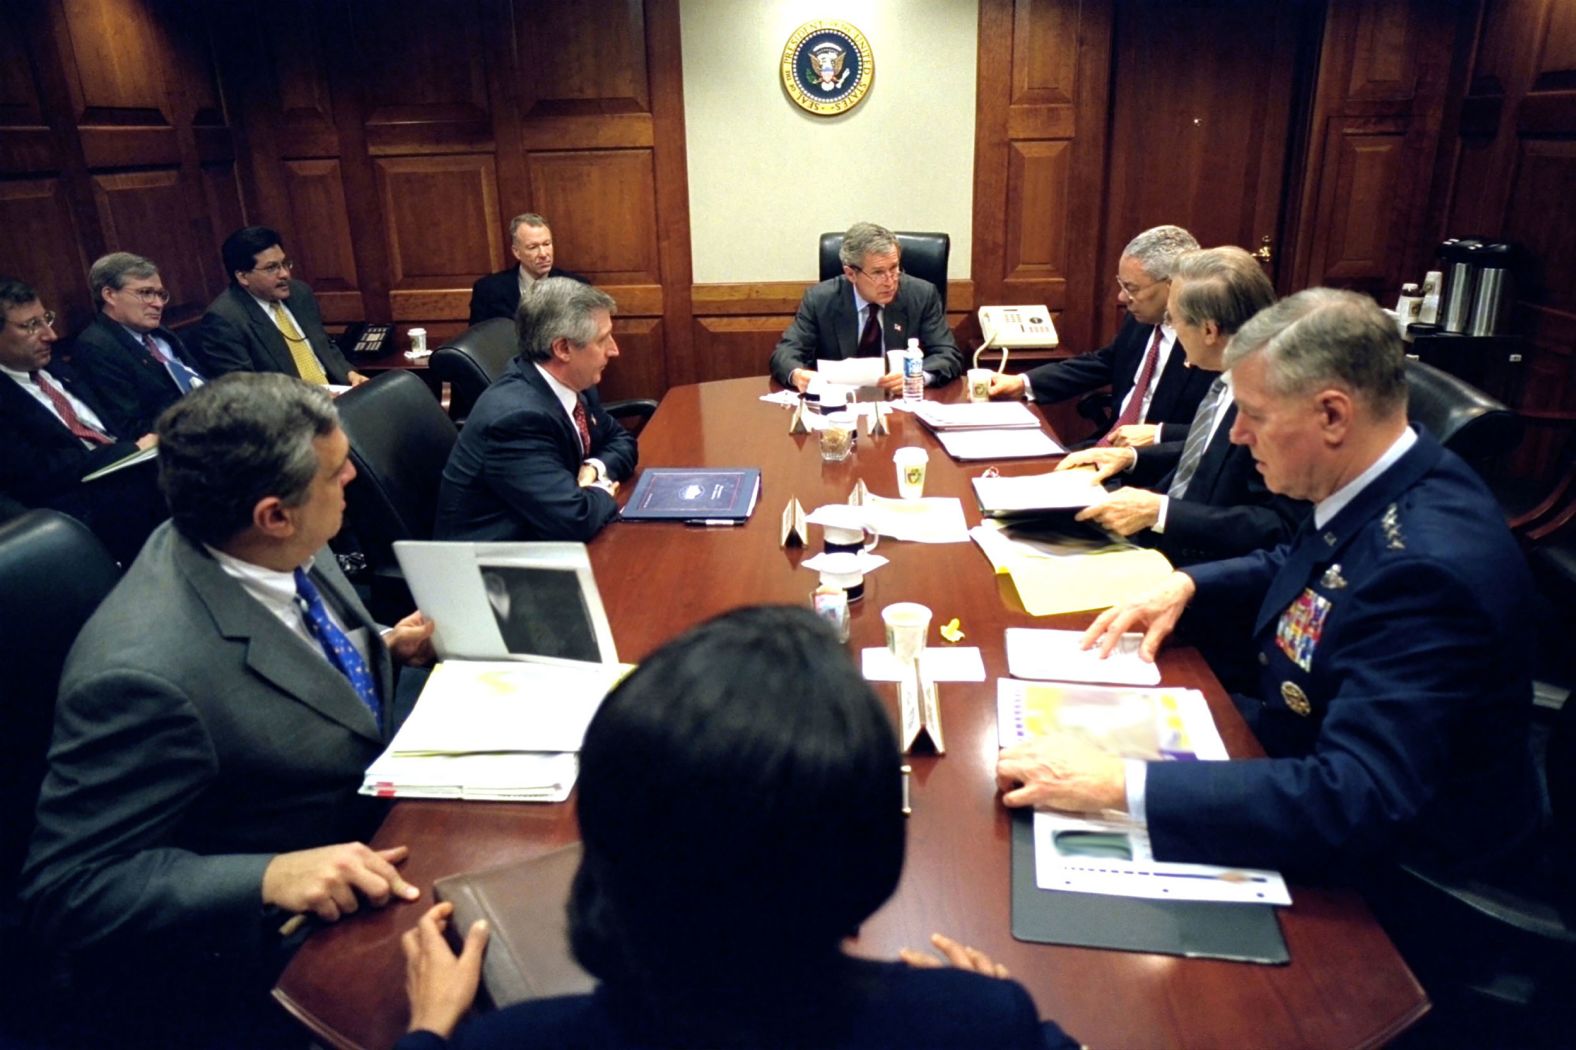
<point x="274" y="652"/>
<point x="19" y="405"/>
<point x="1216" y="454"/>
<point x="568" y="436"/>
<point x="146" y="363"/>
<point x="845" y="319"/>
<point x="1314" y="547"/>
<point x="266" y="332"/>
<point x="895" y="327"/>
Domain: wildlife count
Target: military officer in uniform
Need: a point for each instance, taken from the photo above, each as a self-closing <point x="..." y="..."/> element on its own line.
<point x="1392" y="635"/>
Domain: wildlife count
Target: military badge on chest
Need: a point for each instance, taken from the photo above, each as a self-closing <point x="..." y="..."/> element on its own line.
<point x="1301" y="625"/>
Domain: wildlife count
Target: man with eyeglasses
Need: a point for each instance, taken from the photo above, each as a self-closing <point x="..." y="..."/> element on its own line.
<point x="267" y="321"/>
<point x="872" y="308"/>
<point x="55" y="431"/>
<point x="137" y="367"/>
<point x="1151" y="383"/>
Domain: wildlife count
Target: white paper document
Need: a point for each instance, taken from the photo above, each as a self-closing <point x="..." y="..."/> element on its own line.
<point x="1017" y="443"/>
<point x="514" y="777"/>
<point x="957" y="663"/>
<point x="1054" y="490"/>
<point x="931" y="519"/>
<point x="1059" y="656"/>
<point x="1080" y="855"/>
<point x="975" y="415"/>
<point x="786" y="398"/>
<point x="1134" y="722"/>
<point x="849" y="371"/>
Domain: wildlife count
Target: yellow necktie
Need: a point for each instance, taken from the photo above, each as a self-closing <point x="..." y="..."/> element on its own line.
<point x="300" y="350"/>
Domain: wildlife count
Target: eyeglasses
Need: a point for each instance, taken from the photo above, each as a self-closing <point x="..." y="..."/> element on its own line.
<point x="149" y="295"/>
<point x="274" y="269"/>
<point x="880" y="276"/>
<point x="37" y="324"/>
<point x="1133" y="291"/>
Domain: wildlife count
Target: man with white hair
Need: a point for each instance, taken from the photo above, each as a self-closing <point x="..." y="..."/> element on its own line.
<point x="1147" y="372"/>
<point x="1392" y="634"/>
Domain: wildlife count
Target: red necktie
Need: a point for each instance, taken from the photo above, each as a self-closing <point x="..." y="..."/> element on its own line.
<point x="582" y="426"/>
<point x="1135" y="403"/>
<point x="68" y="415"/>
<point x="870" y="338"/>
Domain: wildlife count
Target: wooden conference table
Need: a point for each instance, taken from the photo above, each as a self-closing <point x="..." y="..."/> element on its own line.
<point x="1345" y="986"/>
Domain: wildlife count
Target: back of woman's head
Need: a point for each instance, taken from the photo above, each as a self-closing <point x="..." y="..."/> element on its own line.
<point x="740" y="804"/>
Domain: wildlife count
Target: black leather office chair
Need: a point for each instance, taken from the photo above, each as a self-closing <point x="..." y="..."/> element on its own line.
<point x="482" y="352"/>
<point x="1464" y="419"/>
<point x="924" y="255"/>
<point x="472" y="360"/>
<point x="400" y="440"/>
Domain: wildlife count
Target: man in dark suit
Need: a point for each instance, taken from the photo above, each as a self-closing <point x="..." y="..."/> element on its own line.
<point x="872" y="308"/>
<point x="55" y="431"/>
<point x="217" y="712"/>
<point x="266" y="321"/>
<point x="1392" y="635"/>
<point x="1144" y="348"/>
<point x="137" y="367"/>
<point x="1207" y="500"/>
<point x="531" y="242"/>
<point x="539" y="458"/>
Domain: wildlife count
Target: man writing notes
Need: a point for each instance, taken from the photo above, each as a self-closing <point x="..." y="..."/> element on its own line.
<point x="215" y="717"/>
<point x="531" y="244"/>
<point x="267" y="321"/>
<point x="1392" y="634"/>
<point x="539" y="458"/>
<point x="874" y="306"/>
<point x="137" y="366"/>
<point x="1147" y="373"/>
<point x="1208" y="499"/>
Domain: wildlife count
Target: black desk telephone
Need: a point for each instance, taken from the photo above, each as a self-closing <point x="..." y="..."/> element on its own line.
<point x="367" y="340"/>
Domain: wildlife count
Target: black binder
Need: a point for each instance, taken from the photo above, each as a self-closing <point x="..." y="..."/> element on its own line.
<point x="1195" y="929"/>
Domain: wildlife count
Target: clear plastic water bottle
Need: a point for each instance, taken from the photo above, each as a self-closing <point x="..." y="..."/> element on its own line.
<point x="913" y="372"/>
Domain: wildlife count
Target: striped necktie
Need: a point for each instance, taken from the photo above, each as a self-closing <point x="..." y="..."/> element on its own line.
<point x="1198" y="435"/>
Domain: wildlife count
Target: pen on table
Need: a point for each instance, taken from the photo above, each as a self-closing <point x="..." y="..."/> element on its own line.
<point x="907" y="771"/>
<point x="709" y="522"/>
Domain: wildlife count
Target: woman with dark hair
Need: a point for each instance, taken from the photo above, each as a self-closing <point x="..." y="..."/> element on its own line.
<point x="740" y="806"/>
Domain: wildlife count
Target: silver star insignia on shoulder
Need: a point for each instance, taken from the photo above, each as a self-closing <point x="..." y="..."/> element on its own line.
<point x="1391" y="523"/>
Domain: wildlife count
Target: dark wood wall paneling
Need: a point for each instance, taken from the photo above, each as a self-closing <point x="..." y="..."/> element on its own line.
<point x="1508" y="171"/>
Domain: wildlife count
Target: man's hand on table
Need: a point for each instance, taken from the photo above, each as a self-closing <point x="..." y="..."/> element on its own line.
<point x="1004" y="385"/>
<point x="1062" y="771"/>
<point x="1135" y="435"/>
<point x="440" y="985"/>
<point x="1106" y="462"/>
<point x="1124" y="511"/>
<point x="800" y="378"/>
<point x="1156" y="611"/>
<point x="331" y="881"/>
<point x="959" y="955"/>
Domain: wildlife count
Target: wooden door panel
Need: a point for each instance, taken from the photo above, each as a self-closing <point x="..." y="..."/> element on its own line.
<point x="318" y="237"/>
<point x="441" y="214"/>
<point x="583" y="56"/>
<point x="603" y="207"/>
<point x="42" y="243"/>
<point x="148" y="212"/>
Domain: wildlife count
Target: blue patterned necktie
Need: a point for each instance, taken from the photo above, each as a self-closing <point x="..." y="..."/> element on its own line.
<point x="339" y="649"/>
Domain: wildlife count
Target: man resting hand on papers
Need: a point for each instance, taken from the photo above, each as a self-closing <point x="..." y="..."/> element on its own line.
<point x="214" y="720"/>
<point x="1391" y="634"/>
<point x="1207" y="499"/>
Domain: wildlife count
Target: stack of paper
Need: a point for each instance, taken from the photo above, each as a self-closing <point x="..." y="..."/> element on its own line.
<point x="1060" y="656"/>
<point x="975" y="415"/>
<point x="1006" y="443"/>
<point x="1069" y="575"/>
<point x="930" y="519"/>
<point x="506" y="730"/>
<point x="1004" y="497"/>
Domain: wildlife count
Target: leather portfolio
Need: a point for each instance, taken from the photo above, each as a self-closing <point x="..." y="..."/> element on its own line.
<point x="524" y="903"/>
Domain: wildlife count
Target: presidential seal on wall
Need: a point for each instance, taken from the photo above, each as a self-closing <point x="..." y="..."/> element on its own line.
<point x="827" y="67"/>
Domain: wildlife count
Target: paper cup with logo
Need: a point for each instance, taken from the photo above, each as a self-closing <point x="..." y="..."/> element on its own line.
<point x="910" y="463"/>
<point x="979" y="384"/>
<point x="907" y="624"/>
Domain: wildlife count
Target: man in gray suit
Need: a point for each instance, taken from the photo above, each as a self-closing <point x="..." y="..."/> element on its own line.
<point x="218" y="710"/>
<point x="872" y="308"/>
<point x="267" y="321"/>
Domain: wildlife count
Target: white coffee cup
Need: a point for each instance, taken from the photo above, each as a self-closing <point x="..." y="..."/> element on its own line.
<point x="842" y="570"/>
<point x="418" y="340"/>
<point x="895" y="360"/>
<point x="907" y="624"/>
<point x="843" y="529"/>
<point x="979" y="384"/>
<point x="910" y="463"/>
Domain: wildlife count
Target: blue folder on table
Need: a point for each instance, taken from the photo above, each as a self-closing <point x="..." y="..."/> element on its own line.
<point x="697" y="494"/>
